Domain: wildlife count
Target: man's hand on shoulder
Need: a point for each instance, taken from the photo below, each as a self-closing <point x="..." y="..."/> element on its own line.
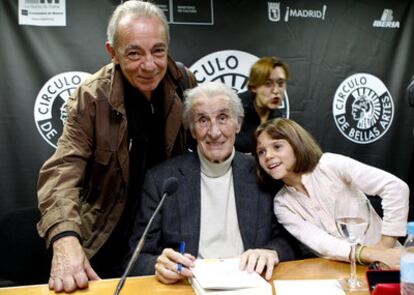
<point x="70" y="267"/>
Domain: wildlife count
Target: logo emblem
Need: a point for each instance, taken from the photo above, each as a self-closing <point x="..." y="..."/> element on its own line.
<point x="231" y="67"/>
<point x="386" y="21"/>
<point x="50" y="107"/>
<point x="274" y="11"/>
<point x="363" y="108"/>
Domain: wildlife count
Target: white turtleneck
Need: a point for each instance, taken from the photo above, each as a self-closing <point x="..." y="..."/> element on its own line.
<point x="219" y="229"/>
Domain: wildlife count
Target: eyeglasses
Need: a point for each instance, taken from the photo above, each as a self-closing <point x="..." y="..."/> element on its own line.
<point x="273" y="83"/>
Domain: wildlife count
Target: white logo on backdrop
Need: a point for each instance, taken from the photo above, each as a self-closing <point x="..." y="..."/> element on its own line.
<point x="363" y="108"/>
<point x="387" y="20"/>
<point x="231" y="67"/>
<point x="50" y="107"/>
<point x="274" y="12"/>
<point x="42" y="13"/>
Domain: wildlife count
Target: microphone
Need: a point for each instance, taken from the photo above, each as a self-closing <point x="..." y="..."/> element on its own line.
<point x="169" y="187"/>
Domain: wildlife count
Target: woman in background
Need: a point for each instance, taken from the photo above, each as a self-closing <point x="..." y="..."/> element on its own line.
<point x="313" y="180"/>
<point x="266" y="91"/>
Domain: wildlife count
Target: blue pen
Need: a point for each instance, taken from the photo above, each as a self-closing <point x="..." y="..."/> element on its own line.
<point x="182" y="249"/>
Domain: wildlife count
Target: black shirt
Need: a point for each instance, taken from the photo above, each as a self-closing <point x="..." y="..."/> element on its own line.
<point x="146" y="141"/>
<point x="244" y="140"/>
<point x="146" y="125"/>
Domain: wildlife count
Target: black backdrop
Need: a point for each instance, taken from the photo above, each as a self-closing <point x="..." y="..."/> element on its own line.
<point x="338" y="52"/>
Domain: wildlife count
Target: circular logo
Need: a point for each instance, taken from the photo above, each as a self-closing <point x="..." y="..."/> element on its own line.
<point x="50" y="106"/>
<point x="363" y="108"/>
<point x="231" y="67"/>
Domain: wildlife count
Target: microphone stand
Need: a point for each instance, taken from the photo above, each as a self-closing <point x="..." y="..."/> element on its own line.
<point x="138" y="249"/>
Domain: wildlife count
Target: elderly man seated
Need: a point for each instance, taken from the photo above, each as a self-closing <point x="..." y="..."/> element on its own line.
<point x="219" y="209"/>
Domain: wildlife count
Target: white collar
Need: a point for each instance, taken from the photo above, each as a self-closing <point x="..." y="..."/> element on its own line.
<point x="212" y="169"/>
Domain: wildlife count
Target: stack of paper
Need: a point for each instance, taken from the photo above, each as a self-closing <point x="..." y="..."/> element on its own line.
<point x="308" y="287"/>
<point x="223" y="277"/>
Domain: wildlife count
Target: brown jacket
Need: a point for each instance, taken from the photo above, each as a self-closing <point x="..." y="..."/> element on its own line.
<point x="83" y="186"/>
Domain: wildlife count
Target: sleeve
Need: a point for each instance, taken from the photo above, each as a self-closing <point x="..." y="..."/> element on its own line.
<point x="376" y="182"/>
<point x="150" y="198"/>
<point x="61" y="176"/>
<point x="319" y="241"/>
<point x="192" y="81"/>
<point x="280" y="242"/>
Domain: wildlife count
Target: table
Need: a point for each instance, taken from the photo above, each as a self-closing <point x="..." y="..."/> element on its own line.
<point x="315" y="268"/>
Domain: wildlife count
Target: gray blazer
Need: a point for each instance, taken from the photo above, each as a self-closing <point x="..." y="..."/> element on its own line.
<point x="179" y="218"/>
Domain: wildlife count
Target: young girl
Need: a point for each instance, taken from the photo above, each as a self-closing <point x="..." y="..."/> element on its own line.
<point x="313" y="180"/>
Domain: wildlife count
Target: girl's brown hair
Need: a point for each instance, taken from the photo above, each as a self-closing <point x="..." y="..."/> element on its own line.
<point x="306" y="150"/>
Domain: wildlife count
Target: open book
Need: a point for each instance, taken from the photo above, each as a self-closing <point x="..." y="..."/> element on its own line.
<point x="223" y="277"/>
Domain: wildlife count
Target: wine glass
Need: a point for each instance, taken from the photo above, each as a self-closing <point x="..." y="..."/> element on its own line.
<point x="352" y="217"/>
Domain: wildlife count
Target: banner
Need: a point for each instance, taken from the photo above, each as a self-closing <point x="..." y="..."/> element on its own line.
<point x="349" y="62"/>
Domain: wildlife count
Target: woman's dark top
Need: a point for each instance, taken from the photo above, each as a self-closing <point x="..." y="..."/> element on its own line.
<point x="244" y="140"/>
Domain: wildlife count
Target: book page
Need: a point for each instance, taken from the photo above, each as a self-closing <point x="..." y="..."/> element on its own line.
<point x="225" y="274"/>
<point x="308" y="287"/>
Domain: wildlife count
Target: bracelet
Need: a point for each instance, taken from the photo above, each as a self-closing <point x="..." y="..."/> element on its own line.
<point x="358" y="254"/>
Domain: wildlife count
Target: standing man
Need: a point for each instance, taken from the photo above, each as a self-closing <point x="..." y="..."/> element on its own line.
<point x="121" y="121"/>
<point x="219" y="209"/>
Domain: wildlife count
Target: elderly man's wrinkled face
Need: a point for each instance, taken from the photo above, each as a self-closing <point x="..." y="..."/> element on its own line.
<point x="215" y="128"/>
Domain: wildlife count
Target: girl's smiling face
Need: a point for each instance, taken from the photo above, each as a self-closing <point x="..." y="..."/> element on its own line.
<point x="276" y="156"/>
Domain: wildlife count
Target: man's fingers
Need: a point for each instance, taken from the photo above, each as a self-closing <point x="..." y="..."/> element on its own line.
<point x="90" y="272"/>
<point x="251" y="263"/>
<point x="243" y="261"/>
<point x="259" y="259"/>
<point x="186" y="272"/>
<point x="169" y="269"/>
<point x="56" y="284"/>
<point x="190" y="257"/>
<point x="81" y="280"/>
<point x="69" y="284"/>
<point x="175" y="257"/>
<point x="51" y="284"/>
<point x="166" y="268"/>
<point x="166" y="262"/>
<point x="70" y="266"/>
<point x="269" y="268"/>
<point x="262" y="261"/>
<point x="165" y="275"/>
<point x="164" y="279"/>
<point x="170" y="260"/>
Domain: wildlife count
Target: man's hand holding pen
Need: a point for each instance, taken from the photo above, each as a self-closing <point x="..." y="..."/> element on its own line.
<point x="173" y="266"/>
